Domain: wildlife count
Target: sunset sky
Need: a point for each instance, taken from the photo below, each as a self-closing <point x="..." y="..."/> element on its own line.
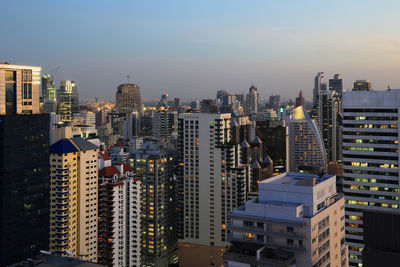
<point x="194" y="48"/>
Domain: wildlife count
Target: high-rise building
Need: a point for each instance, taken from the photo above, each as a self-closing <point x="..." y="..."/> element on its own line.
<point x="165" y="125"/>
<point x="155" y="163"/>
<point x="24" y="186"/>
<point x="68" y="100"/>
<point x="209" y="106"/>
<point x="19" y="89"/>
<point x="275" y="139"/>
<point x="329" y="123"/>
<point x="49" y="94"/>
<point x="370" y="160"/>
<point x="119" y="214"/>
<point x="362" y="85"/>
<point x="73" y="198"/>
<point x="128" y="98"/>
<point x="164" y="98"/>
<point x="297" y="220"/>
<point x="300" y="101"/>
<point x="195" y="105"/>
<point x="131" y="125"/>
<point x="212" y="182"/>
<point x="274" y="102"/>
<point x="252" y="100"/>
<point x="306" y="146"/>
<point x="317" y="86"/>
<point x="336" y="84"/>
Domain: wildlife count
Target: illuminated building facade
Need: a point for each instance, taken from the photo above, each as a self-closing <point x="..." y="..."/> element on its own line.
<point x="306" y="147"/>
<point x="370" y="160"/>
<point x="119" y="214"/>
<point x="128" y="98"/>
<point x="68" y="100"/>
<point x="19" y="89"/>
<point x="73" y="198"/>
<point x="154" y="164"/>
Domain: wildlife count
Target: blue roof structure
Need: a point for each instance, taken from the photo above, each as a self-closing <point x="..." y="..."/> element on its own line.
<point x="63" y="146"/>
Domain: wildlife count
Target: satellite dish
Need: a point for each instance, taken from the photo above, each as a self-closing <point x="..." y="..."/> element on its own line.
<point x="45" y="252"/>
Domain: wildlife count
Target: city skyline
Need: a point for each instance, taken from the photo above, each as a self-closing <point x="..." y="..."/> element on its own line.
<point x="203" y="47"/>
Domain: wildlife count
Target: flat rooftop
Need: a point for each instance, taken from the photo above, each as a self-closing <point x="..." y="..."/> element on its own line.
<point x="296" y="179"/>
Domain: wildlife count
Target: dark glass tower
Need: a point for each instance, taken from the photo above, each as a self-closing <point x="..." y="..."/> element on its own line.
<point x="24" y="186"/>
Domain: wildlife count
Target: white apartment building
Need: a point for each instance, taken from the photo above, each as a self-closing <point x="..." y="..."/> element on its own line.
<point x="297" y="220"/>
<point x="306" y="146"/>
<point x="119" y="214"/>
<point x="211" y="182"/>
<point x="370" y="160"/>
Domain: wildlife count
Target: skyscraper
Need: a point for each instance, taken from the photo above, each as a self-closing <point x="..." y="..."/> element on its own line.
<point x="362" y="85"/>
<point x="252" y="100"/>
<point x="306" y="147"/>
<point x="212" y="182"/>
<point x="19" y="88"/>
<point x="317" y="86"/>
<point x="296" y="220"/>
<point x="119" y="214"/>
<point x="274" y="102"/>
<point x="73" y="198"/>
<point x="155" y="164"/>
<point x="336" y="84"/>
<point x="48" y="88"/>
<point x="24" y="165"/>
<point x="370" y="160"/>
<point x="300" y="101"/>
<point x="329" y="123"/>
<point x="165" y="125"/>
<point x="128" y="98"/>
<point x="68" y="101"/>
<point x="24" y="186"/>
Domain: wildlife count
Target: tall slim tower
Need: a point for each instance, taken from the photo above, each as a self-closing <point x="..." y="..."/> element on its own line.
<point x="73" y="198"/>
<point x="128" y="98"/>
<point x="68" y="100"/>
<point x="252" y="100"/>
<point x="317" y="86"/>
<point x="300" y="101"/>
<point x="329" y="123"/>
<point x="370" y="160"/>
<point x="155" y="164"/>
<point x="306" y="146"/>
<point x="212" y="182"/>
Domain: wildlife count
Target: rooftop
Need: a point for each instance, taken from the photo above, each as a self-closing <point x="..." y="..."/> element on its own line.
<point x="297" y="179"/>
<point x="63" y="146"/>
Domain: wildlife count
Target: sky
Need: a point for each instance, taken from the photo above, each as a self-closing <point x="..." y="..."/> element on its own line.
<point x="194" y="48"/>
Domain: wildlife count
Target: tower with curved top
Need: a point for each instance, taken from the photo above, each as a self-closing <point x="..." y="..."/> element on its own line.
<point x="128" y="98"/>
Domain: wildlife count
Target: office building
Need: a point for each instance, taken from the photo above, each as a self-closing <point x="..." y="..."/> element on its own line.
<point x="131" y="125"/>
<point x="297" y="220"/>
<point x="306" y="146"/>
<point x="128" y="98"/>
<point x="252" y="101"/>
<point x="275" y="139"/>
<point x="274" y="102"/>
<point x="209" y="106"/>
<point x="329" y="121"/>
<point x="119" y="214"/>
<point x="68" y="100"/>
<point x="336" y="84"/>
<point x="370" y="160"/>
<point x="155" y="163"/>
<point x="101" y="118"/>
<point x="49" y="94"/>
<point x="212" y="182"/>
<point x="19" y="88"/>
<point x="362" y="85"/>
<point x="24" y="186"/>
<point x="381" y="239"/>
<point x="300" y="101"/>
<point x="164" y="98"/>
<point x="317" y="86"/>
<point x="165" y="125"/>
<point x="73" y="198"/>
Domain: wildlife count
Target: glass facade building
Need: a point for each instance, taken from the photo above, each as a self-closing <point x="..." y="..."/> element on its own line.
<point x="24" y="186"/>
